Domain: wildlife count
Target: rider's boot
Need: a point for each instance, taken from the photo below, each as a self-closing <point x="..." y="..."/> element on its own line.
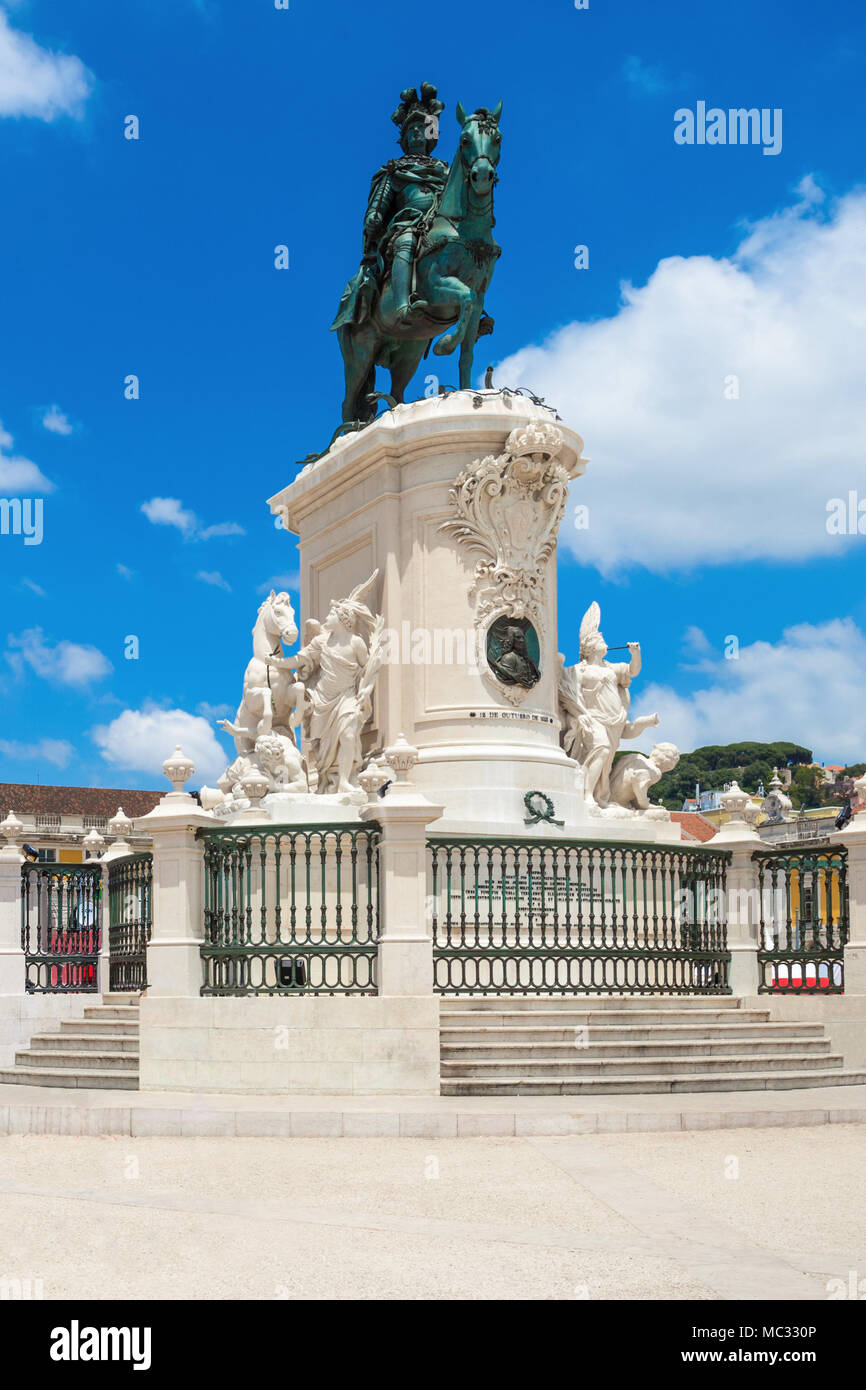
<point x="401" y="284"/>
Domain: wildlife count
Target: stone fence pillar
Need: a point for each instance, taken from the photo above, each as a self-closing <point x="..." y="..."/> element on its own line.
<point x="11" y="954"/>
<point x="743" y="903"/>
<point x="174" y="965"/>
<point x="853" y="838"/>
<point x="405" y="958"/>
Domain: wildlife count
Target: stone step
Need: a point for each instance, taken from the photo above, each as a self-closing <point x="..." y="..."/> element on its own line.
<point x="655" y="1084"/>
<point x="127" y="1012"/>
<point x="658" y="1003"/>
<point x="100" y="1027"/>
<point x="634" y="1067"/>
<point x="64" y="1077"/>
<point x="602" y="1052"/>
<point x="582" y="1018"/>
<point x="85" y="1042"/>
<point x="126" y="998"/>
<point x="476" y="1033"/>
<point x="104" y="1060"/>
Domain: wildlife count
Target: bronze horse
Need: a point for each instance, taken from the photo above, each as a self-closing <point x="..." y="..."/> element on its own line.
<point x="453" y="270"/>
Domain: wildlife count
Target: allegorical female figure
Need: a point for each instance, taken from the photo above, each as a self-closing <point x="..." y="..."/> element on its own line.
<point x="337" y="666"/>
<point x="594" y="697"/>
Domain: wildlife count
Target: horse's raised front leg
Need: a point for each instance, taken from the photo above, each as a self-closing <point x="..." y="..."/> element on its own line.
<point x="449" y="291"/>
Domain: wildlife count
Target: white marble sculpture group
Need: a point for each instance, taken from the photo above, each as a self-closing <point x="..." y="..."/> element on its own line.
<point x="505" y="514"/>
<point x="326" y="690"/>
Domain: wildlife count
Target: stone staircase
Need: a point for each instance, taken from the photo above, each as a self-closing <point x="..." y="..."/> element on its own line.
<point x="627" y="1044"/>
<point x="97" y="1052"/>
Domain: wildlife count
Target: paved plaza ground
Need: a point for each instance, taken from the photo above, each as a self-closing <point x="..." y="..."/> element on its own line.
<point x="749" y="1213"/>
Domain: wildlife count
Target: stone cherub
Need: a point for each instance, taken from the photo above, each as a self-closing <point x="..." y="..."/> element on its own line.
<point x="594" y="698"/>
<point x="338" y="665"/>
<point x="633" y="775"/>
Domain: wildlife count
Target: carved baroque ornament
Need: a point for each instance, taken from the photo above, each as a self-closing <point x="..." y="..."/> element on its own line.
<point x="507" y="511"/>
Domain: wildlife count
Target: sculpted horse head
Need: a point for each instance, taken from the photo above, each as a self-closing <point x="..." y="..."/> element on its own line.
<point x="277" y="617"/>
<point x="473" y="168"/>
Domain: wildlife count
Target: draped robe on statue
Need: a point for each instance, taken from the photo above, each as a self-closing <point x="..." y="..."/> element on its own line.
<point x="332" y="709"/>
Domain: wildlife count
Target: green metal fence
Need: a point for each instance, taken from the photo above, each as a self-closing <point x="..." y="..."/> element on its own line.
<point x="528" y="916"/>
<point x="803" y="895"/>
<point x="61" y="927"/>
<point x="291" y="909"/>
<point x="130" y="918"/>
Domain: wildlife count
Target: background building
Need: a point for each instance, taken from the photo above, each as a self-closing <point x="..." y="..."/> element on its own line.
<point x="56" y="819"/>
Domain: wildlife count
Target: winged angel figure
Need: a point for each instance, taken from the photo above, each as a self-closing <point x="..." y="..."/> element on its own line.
<point x="338" y="664"/>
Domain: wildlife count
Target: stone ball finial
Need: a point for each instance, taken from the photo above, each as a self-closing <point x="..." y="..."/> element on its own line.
<point x="120" y="825"/>
<point x="373" y="778"/>
<point x="401" y="757"/>
<point x="11" y="829"/>
<point x="93" y="842"/>
<point x="178" y="769"/>
<point x="255" y="785"/>
<point x="734" y="801"/>
<point x="751" y="813"/>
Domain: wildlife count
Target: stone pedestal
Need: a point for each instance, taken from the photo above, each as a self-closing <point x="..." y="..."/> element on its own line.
<point x="384" y="498"/>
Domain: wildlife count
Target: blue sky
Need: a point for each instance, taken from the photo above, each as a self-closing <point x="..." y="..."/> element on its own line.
<point x="707" y="509"/>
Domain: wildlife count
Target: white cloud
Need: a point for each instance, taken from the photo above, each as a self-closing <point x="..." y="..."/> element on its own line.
<point x="68" y="663"/>
<point x="37" y="82"/>
<point x="141" y="740"/>
<point x="56" y="421"/>
<point x="806" y="688"/>
<point x="222" y="528"/>
<point x="215" y="579"/>
<point x="124" y="571"/>
<point x="19" y="474"/>
<point x="681" y="475"/>
<point x="56" y="751"/>
<point x="643" y="77"/>
<point x="214" y="712"/>
<point x="281" y="582"/>
<point x="169" y="511"/>
<point x="34" y="587"/>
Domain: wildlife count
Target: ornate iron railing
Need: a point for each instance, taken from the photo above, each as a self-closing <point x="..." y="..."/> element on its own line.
<point x="803" y="897"/>
<point x="61" y="927"/>
<point x="130" y="919"/>
<point x="291" y="909"/>
<point x="528" y="916"/>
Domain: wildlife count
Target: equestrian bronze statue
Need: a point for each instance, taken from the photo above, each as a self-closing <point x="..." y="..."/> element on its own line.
<point x="428" y="254"/>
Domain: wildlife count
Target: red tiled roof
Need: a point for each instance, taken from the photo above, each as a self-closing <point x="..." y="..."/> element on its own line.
<point x="25" y="799"/>
<point x="696" y="826"/>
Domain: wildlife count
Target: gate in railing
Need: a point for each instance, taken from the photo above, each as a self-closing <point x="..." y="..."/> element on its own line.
<point x="291" y="909"/>
<point x="803" y="896"/>
<point x="524" y="916"/>
<point x="61" y="927"/>
<point x="130" y="918"/>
